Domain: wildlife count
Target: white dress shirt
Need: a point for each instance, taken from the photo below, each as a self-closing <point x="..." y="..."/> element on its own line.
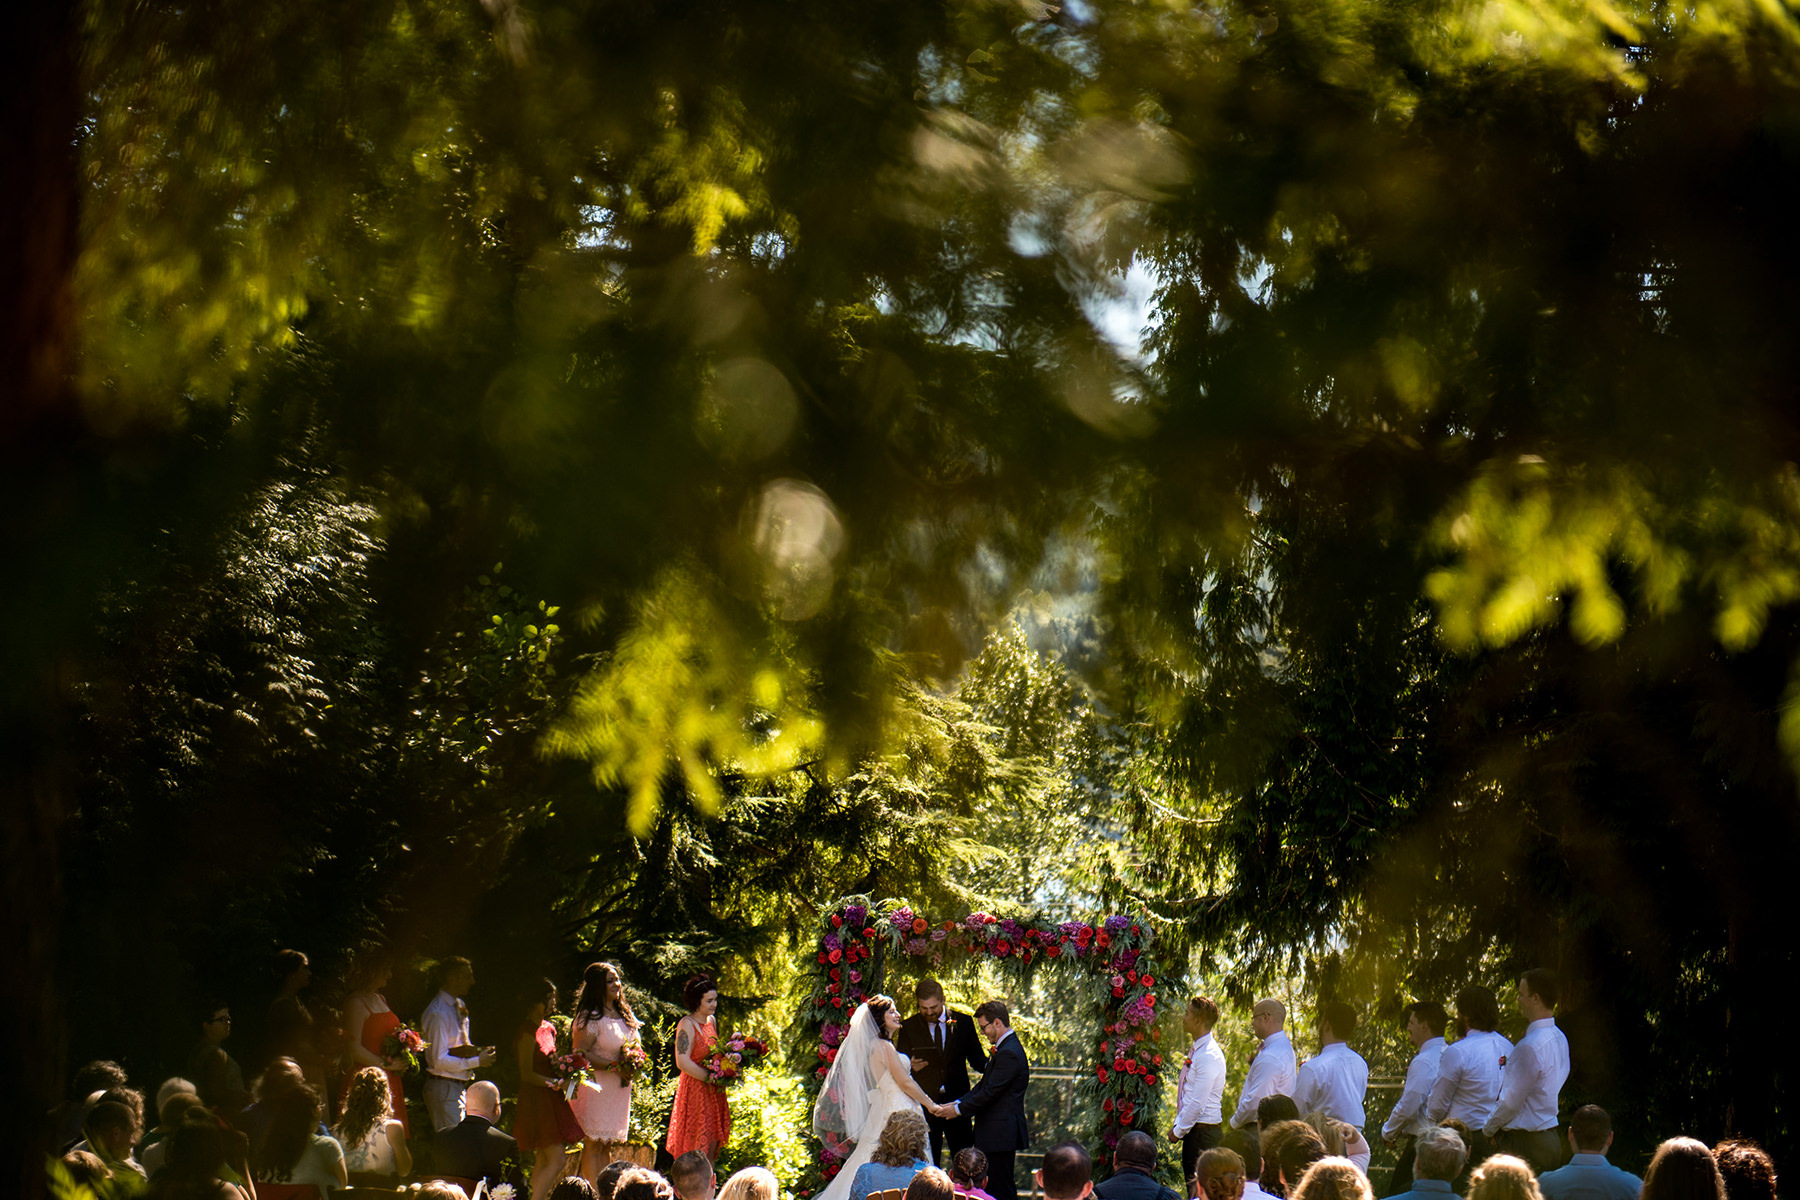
<point x="1333" y="1082"/>
<point x="1199" y="1097"/>
<point x="444" y="1025"/>
<point x="1271" y="1074"/>
<point x="1468" y="1082"/>
<point x="1532" y="1080"/>
<point x="1408" y="1117"/>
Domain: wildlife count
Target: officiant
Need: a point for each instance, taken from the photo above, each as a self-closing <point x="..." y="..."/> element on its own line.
<point x="944" y="1046"/>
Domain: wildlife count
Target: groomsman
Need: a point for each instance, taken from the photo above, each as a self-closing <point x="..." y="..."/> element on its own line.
<point x="1335" y="1080"/>
<point x="1425" y="1021"/>
<point x="944" y="1047"/>
<point x="1468" y="1082"/>
<point x="1524" y="1122"/>
<point x="1272" y="1070"/>
<point x="1200" y="1094"/>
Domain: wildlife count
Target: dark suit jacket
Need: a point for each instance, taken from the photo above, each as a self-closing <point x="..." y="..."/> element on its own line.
<point x="1133" y="1183"/>
<point x="474" y="1150"/>
<point x="998" y="1102"/>
<point x="946" y="1073"/>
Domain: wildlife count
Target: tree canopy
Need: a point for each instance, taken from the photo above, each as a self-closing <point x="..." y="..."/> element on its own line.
<point x="1428" y="564"/>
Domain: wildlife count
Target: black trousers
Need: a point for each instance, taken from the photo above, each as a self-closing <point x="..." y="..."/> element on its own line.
<point x="959" y="1132"/>
<point x="1195" y="1142"/>
<point x="1001" y="1185"/>
<point x="1542" y="1148"/>
<point x="1401" y="1179"/>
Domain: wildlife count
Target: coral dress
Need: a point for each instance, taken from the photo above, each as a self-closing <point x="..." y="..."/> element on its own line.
<point x="375" y="1029"/>
<point x="543" y="1117"/>
<point x="701" y="1115"/>
<point x="604" y="1106"/>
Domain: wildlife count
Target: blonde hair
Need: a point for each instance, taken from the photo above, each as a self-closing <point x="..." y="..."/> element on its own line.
<point x="1333" y="1178"/>
<point x="903" y="1139"/>
<point x="1504" y="1177"/>
<point x="1328" y="1132"/>
<point x="751" y="1183"/>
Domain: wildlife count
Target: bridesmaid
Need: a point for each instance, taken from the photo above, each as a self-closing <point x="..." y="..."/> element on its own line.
<point x="603" y="1023"/>
<point x="543" y="1124"/>
<point x="368" y="1020"/>
<point x="701" y="1118"/>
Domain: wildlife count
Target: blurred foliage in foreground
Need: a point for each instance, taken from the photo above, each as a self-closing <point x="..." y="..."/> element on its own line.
<point x="1438" y="542"/>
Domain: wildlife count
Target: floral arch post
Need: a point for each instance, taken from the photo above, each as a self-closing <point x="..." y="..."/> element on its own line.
<point x="857" y="940"/>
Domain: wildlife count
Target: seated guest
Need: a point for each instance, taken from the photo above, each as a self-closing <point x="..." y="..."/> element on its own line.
<point x="439" y="1189"/>
<point x="474" y="1148"/>
<point x="278" y="1079"/>
<point x="293" y="1151"/>
<point x="573" y="1187"/>
<point x="1134" y="1171"/>
<point x="607" y="1181"/>
<point x="751" y="1183"/>
<point x="1067" y="1173"/>
<point x="930" y="1184"/>
<point x="898" y="1157"/>
<point x="84" y="1092"/>
<point x="1288" y="1149"/>
<point x="1683" y="1169"/>
<point x="201" y="1154"/>
<point x="641" y="1183"/>
<point x="1332" y="1178"/>
<point x="374" y="1142"/>
<point x="1748" y="1171"/>
<point x="1248" y="1147"/>
<point x="86" y="1170"/>
<point x="1504" y="1177"/>
<point x="968" y="1174"/>
<point x="692" y="1177"/>
<point x="111" y="1132"/>
<point x="1273" y="1110"/>
<point x="1219" y="1174"/>
<point x="1589" y="1176"/>
<point x="1438" y="1158"/>
<point x="1341" y="1140"/>
<point x="170" y="1089"/>
<point x="214" y="1072"/>
<point x="176" y="1110"/>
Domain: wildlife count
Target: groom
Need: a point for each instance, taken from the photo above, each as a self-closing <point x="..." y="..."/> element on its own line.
<point x="943" y="1046"/>
<point x="998" y="1101"/>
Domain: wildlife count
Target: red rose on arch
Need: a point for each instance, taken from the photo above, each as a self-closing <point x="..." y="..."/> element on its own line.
<point x="1103" y="939"/>
<point x="822" y="956"/>
<point x="1157" y="1059"/>
<point x="1107" y="1104"/>
<point x="836" y="956"/>
<point x="869" y="932"/>
<point x="1136" y="930"/>
<point x="1150" y="1079"/>
<point x="834" y="973"/>
<point x="1002" y="948"/>
<point x="1118" y="992"/>
<point x="837" y="921"/>
<point x="920" y="925"/>
<point x="1102" y="1074"/>
<point x="1119" y="1063"/>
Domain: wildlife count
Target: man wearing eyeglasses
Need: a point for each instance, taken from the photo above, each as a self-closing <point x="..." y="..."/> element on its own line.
<point x="214" y="1072"/>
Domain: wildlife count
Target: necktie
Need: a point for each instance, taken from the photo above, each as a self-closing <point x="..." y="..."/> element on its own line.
<point x="937" y="1033"/>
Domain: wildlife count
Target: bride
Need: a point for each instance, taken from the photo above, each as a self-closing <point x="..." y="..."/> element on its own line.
<point x="869" y="1080"/>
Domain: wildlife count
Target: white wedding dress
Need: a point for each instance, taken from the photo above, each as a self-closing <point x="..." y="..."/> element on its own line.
<point x="882" y="1099"/>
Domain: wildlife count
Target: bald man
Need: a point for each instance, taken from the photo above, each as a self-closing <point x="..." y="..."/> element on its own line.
<point x="474" y="1148"/>
<point x="1272" y="1071"/>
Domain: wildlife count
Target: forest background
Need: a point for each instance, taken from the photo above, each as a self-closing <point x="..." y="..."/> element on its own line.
<point x="573" y="479"/>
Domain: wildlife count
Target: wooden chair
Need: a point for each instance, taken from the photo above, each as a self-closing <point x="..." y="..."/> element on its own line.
<point x="889" y="1194"/>
<point x="286" y="1191"/>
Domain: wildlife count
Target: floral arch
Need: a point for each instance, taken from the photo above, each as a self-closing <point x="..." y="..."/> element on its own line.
<point x="858" y="940"/>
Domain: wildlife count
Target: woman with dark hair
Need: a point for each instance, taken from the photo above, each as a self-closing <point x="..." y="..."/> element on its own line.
<point x="603" y="1024"/>
<point x="869" y="1087"/>
<point x="367" y="1021"/>
<point x="543" y="1125"/>
<point x="1747" y="1169"/>
<point x="374" y="1143"/>
<point x="969" y="1173"/>
<point x="1683" y="1169"/>
<point x="201" y="1152"/>
<point x="701" y="1119"/>
<point x="293" y="1150"/>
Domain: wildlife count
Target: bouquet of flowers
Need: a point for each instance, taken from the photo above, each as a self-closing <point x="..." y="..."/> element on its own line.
<point x="567" y="1063"/>
<point x="732" y="1056"/>
<point x="405" y="1044"/>
<point x="633" y="1061"/>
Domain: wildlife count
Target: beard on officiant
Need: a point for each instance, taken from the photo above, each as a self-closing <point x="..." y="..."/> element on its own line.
<point x="945" y="1047"/>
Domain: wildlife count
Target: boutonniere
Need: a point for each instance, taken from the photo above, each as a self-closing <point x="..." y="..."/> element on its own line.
<point x="1503" y="1060"/>
<point x="950" y="1022"/>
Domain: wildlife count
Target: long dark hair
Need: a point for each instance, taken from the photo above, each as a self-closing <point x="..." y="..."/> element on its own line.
<point x="590" y="998"/>
<point x="694" y="991"/>
<point x="879" y="1008"/>
<point x="547" y="994"/>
